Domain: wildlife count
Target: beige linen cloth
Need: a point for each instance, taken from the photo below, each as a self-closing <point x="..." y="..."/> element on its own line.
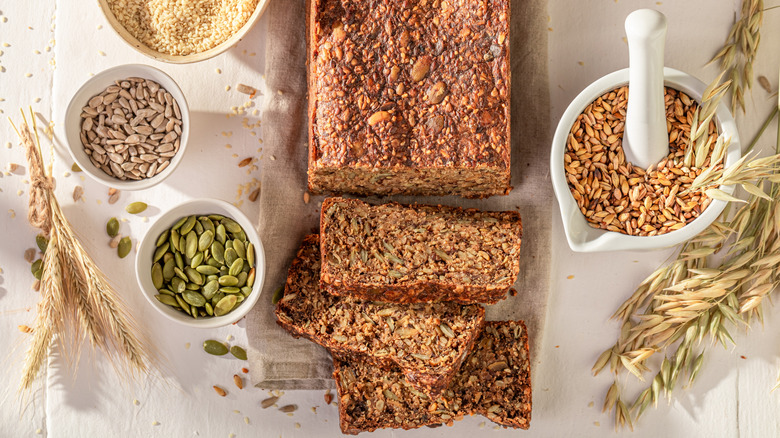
<point x="279" y="361"/>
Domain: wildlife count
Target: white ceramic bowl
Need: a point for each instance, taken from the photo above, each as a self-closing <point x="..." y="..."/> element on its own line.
<point x="182" y="59"/>
<point x="584" y="238"/>
<point x="95" y="85"/>
<point x="143" y="261"/>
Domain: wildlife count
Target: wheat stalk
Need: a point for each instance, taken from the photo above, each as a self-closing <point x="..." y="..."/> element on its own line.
<point x="75" y="292"/>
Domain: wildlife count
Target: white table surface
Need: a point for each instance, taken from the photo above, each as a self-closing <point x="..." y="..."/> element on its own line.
<point x="60" y="43"/>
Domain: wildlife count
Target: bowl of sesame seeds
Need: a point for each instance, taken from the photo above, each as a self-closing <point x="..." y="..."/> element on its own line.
<point x="182" y="32"/>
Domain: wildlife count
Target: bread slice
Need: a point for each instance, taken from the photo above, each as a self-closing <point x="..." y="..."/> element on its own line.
<point x="494" y="381"/>
<point x="418" y="253"/>
<point x="428" y="342"/>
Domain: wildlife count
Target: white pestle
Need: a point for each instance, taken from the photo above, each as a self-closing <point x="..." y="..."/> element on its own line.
<point x="645" y="139"/>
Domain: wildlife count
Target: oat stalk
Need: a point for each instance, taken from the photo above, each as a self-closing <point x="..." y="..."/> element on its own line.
<point x="77" y="298"/>
<point x="696" y="296"/>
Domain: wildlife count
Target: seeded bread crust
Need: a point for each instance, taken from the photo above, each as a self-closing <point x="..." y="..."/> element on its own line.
<point x="409" y="97"/>
<point x="418" y="253"/>
<point x="428" y="342"/>
<point x="494" y="381"/>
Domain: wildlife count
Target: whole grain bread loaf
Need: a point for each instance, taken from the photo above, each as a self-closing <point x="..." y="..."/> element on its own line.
<point x="427" y="342"/>
<point x="418" y="253"/>
<point x="494" y="381"/>
<point x="409" y="97"/>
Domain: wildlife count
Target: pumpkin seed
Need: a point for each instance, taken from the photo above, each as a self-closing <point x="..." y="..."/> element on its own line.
<point x="112" y="227"/>
<point x="75" y="168"/>
<point x="205" y="240"/>
<point x="230" y="256"/>
<point x="221" y="235"/>
<point x="238" y="352"/>
<point x="198" y="228"/>
<point x="216" y="217"/>
<point x="179" y="261"/>
<point x="209" y="309"/>
<point x="197" y="260"/>
<point x="230" y="290"/>
<point x="192" y="286"/>
<point x="228" y="244"/>
<point x="42" y="242"/>
<point x="241" y="279"/>
<point x="193" y="275"/>
<point x="124" y="247"/>
<point x="167" y="300"/>
<point x="218" y="252"/>
<point x="231" y="225"/>
<point x="207" y="224"/>
<point x="183" y="304"/>
<point x="228" y="280"/>
<point x="136" y="207"/>
<point x="246" y="291"/>
<point x="38" y="274"/>
<point x="218" y="296"/>
<point x="215" y="347"/>
<point x="240" y="248"/>
<point x="210" y="288"/>
<point x="193" y="298"/>
<point x="250" y="254"/>
<point x="178" y="285"/>
<point x="241" y="235"/>
<point x="236" y="266"/>
<point x="191" y="245"/>
<point x="180" y="273"/>
<point x="206" y="269"/>
<point x="278" y="294"/>
<point x="157" y="276"/>
<point x="36" y="266"/>
<point x="179" y="223"/>
<point x="174" y="239"/>
<point x="187" y="225"/>
<point x="166" y="292"/>
<point x="225" y="305"/>
<point x="159" y="252"/>
<point x="250" y="278"/>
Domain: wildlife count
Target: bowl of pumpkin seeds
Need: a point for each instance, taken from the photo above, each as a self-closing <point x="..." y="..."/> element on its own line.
<point x="201" y="264"/>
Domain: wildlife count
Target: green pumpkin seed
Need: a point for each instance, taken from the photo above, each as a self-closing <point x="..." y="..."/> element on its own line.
<point x="157" y="276"/>
<point x="42" y="242"/>
<point x="179" y="260"/>
<point x="278" y="294"/>
<point x="230" y="290"/>
<point x="180" y="273"/>
<point x="167" y="300"/>
<point x="124" y="247"/>
<point x="231" y="225"/>
<point x="228" y="280"/>
<point x="250" y="254"/>
<point x="225" y="305"/>
<point x="245" y="269"/>
<point x="112" y="227"/>
<point x="197" y="260"/>
<point x="192" y="286"/>
<point x="241" y="235"/>
<point x="166" y="292"/>
<point x="178" y="285"/>
<point x="208" y="225"/>
<point x="218" y="296"/>
<point x="250" y="278"/>
<point x="241" y="279"/>
<point x="236" y="266"/>
<point x="212" y="277"/>
<point x="198" y="228"/>
<point x="216" y="217"/>
<point x="136" y="207"/>
<point x="183" y="304"/>
<point x="205" y="240"/>
<point x="210" y="288"/>
<point x="191" y="246"/>
<point x="162" y="237"/>
<point x="37" y="265"/>
<point x="221" y="234"/>
<point x="229" y="244"/>
<point x="167" y="256"/>
<point x="193" y="298"/>
<point x="179" y="223"/>
<point x="174" y="239"/>
<point x="215" y="347"/>
<point x="206" y="269"/>
<point x="195" y="313"/>
<point x="246" y="291"/>
<point x="240" y="248"/>
<point x="159" y="252"/>
<point x="38" y="274"/>
<point x="218" y="251"/>
<point x="193" y="275"/>
<point x="187" y="226"/>
<point x="213" y="263"/>
<point x="238" y="352"/>
<point x="239" y="298"/>
<point x="230" y="256"/>
<point x="209" y="309"/>
<point x="75" y="168"/>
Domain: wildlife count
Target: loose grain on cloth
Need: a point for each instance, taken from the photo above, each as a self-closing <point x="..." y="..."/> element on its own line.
<point x="277" y="360"/>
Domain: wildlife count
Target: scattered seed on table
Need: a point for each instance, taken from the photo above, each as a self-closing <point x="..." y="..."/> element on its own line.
<point x="136" y="207"/>
<point x="124" y="247"/>
<point x="238" y="381"/>
<point x="238" y="352"/>
<point x="267" y="403"/>
<point x="288" y="409"/>
<point x="219" y="391"/>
